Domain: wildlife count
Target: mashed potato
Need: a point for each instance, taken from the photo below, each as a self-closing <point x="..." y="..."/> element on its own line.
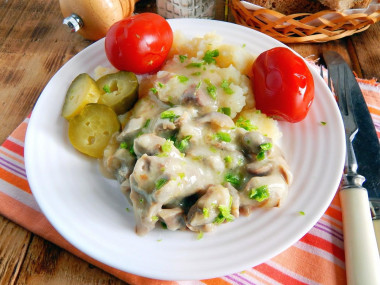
<point x="233" y="68"/>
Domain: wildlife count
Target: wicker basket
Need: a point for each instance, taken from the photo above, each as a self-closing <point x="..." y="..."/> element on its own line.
<point x="303" y="28"/>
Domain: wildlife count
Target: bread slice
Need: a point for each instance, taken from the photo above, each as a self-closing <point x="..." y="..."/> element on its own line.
<point x="288" y="7"/>
<point x="361" y="3"/>
<point x="340" y="5"/>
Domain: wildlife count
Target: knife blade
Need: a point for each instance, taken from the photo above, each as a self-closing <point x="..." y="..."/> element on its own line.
<point x="360" y="241"/>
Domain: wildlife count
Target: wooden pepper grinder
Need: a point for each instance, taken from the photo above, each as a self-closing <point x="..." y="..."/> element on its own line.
<point x="92" y="18"/>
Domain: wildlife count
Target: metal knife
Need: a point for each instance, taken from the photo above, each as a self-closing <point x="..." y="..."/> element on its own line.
<point x="360" y="201"/>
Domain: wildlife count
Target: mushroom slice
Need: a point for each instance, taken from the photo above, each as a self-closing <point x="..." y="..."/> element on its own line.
<point x="173" y="218"/>
<point x="202" y="215"/>
<point x="217" y="119"/>
<point x="260" y="168"/>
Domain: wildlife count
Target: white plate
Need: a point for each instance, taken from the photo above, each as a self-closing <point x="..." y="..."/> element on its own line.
<point x="90" y="212"/>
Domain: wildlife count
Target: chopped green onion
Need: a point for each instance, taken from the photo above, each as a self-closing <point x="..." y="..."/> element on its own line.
<point x="161" y="182"/>
<point x="228" y="159"/>
<point x="164" y="226"/>
<point x="266" y="146"/>
<point x="210" y="56"/>
<point x="183" y="144"/>
<point x="206" y="212"/>
<point x="182" y="58"/>
<point x="323" y="123"/>
<point x="234" y="179"/>
<point x="261" y="155"/>
<point x="260" y="193"/>
<point x="222" y="136"/>
<point x="194" y="64"/>
<point x="107" y="88"/>
<point x="124" y="145"/>
<point x="167" y="146"/>
<point x="173" y="137"/>
<point x="245" y="124"/>
<point x="213" y="149"/>
<point x="200" y="235"/>
<point x="198" y="73"/>
<point x="154" y="90"/>
<point x="147" y="122"/>
<point x="154" y="218"/>
<point x="225" y="110"/>
<point x="182" y="78"/>
<point x="211" y="89"/>
<point x="226" y="87"/>
<point x="161" y="85"/>
<point x="181" y="175"/>
<point x="302" y="213"/>
<point x="169" y="115"/>
<point x="224" y="214"/>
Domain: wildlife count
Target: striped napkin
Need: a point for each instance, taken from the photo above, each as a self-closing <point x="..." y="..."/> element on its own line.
<point x="317" y="258"/>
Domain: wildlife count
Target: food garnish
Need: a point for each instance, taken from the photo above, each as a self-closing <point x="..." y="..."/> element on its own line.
<point x="282" y="84"/>
<point x="139" y="43"/>
<point x="119" y="90"/>
<point x="91" y="130"/>
<point x="82" y="91"/>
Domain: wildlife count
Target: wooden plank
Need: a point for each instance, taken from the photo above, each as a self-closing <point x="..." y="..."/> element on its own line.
<point x="314" y="51"/>
<point x="34" y="45"/>
<point x="14" y="242"/>
<point x="45" y="263"/>
<point x="366" y="47"/>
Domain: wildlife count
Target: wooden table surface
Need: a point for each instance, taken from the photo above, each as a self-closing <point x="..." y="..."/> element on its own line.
<point x="33" y="46"/>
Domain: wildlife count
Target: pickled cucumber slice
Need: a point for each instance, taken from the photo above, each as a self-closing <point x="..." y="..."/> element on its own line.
<point x="118" y="90"/>
<point x="91" y="130"/>
<point x="82" y="91"/>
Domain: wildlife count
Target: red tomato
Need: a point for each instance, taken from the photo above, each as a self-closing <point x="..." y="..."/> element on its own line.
<point x="282" y="84"/>
<point x="139" y="43"/>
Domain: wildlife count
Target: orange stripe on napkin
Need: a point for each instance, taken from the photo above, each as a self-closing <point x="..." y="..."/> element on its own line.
<point x="333" y="223"/>
<point x="374" y="110"/>
<point x="11" y="156"/>
<point x="38" y="224"/>
<point x="14" y="147"/>
<point x="336" y="201"/>
<point x="337" y="215"/>
<point x="256" y="277"/>
<point x="323" y="244"/>
<point x="215" y="281"/>
<point x="277" y="275"/>
<point x="305" y="263"/>
<point x="15" y="180"/>
<point x="20" y="132"/>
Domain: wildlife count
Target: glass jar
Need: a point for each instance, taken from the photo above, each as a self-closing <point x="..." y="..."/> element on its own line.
<point x="186" y="8"/>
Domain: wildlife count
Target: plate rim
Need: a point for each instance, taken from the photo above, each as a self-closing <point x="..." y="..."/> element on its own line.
<point x="41" y="203"/>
